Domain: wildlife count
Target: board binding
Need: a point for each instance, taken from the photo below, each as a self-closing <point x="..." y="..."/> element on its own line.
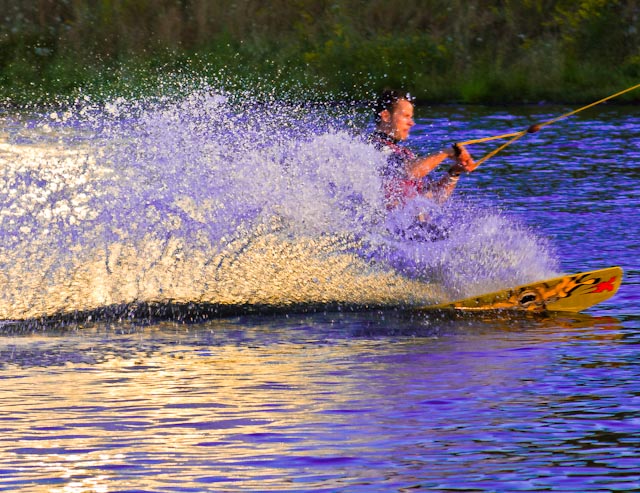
<point x="570" y="293"/>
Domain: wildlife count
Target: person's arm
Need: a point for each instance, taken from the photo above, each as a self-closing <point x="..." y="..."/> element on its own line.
<point x="444" y="187"/>
<point x="421" y="167"/>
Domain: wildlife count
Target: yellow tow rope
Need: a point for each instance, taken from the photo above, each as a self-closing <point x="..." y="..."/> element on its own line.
<point x="533" y="128"/>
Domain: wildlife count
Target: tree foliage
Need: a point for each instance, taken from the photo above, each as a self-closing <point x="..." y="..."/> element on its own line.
<point x="471" y="50"/>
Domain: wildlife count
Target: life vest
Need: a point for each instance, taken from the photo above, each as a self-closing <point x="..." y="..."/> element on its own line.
<point x="398" y="187"/>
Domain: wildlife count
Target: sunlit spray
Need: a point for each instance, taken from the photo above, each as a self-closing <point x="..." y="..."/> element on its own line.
<point x="228" y="200"/>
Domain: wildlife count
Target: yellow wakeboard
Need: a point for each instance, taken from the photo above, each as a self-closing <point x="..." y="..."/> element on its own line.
<point x="570" y="293"/>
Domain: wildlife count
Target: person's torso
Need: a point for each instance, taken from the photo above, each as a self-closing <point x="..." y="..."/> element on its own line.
<point x="399" y="187"/>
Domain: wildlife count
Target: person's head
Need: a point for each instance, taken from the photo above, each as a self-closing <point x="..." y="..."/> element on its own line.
<point x="394" y="114"/>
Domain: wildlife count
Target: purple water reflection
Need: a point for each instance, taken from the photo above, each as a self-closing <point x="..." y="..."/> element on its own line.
<point x="336" y="401"/>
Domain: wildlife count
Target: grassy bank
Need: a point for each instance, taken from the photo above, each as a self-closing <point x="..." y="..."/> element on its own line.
<point x="441" y="51"/>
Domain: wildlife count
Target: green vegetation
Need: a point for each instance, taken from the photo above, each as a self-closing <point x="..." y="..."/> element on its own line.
<point x="471" y="51"/>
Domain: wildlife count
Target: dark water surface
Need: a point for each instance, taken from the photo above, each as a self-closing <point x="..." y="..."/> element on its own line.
<point x="392" y="400"/>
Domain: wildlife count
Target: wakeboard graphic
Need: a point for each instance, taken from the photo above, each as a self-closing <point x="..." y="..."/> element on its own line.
<point x="570" y="293"/>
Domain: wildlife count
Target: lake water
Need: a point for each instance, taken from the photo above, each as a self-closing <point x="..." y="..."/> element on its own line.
<point x="210" y="300"/>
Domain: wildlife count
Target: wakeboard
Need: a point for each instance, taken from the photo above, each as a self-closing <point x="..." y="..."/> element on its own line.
<point x="570" y="293"/>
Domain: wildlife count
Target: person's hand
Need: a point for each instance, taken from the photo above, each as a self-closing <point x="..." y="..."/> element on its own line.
<point x="464" y="162"/>
<point x="465" y="159"/>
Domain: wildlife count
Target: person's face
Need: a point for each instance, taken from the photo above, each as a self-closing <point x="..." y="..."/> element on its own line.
<point x="400" y="120"/>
